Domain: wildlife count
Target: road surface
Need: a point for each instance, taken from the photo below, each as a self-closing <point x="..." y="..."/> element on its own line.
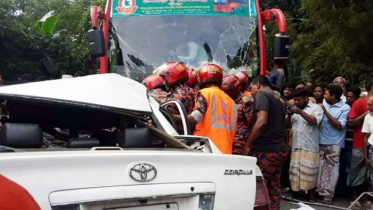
<point x="344" y="203"/>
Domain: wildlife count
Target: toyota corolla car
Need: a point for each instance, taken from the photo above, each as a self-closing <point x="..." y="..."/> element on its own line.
<point x="86" y="143"/>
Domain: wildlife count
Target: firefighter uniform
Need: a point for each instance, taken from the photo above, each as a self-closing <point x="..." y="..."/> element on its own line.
<point x="217" y="119"/>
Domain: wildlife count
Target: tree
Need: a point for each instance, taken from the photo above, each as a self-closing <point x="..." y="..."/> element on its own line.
<point x="333" y="37"/>
<point x="336" y="39"/>
<point x="26" y="43"/>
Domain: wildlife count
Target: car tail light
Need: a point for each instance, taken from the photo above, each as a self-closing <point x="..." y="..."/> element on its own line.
<point x="206" y="202"/>
<point x="262" y="197"/>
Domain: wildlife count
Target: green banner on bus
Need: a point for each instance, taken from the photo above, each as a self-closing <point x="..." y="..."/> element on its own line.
<point x="123" y="8"/>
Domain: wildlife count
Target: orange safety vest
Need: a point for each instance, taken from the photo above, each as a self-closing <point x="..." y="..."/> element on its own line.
<point x="247" y="93"/>
<point x="220" y="120"/>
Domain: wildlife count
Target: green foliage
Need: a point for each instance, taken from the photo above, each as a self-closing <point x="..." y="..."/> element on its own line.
<point x="333" y="37"/>
<point x="339" y="42"/>
<point x="25" y="40"/>
<point x="47" y="27"/>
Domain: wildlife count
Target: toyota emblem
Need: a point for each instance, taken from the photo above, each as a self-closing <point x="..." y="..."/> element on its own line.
<point x="143" y="172"/>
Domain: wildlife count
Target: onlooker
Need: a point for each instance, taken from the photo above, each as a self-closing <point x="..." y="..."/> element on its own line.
<point x="309" y="87"/>
<point x="305" y="118"/>
<point x="352" y="94"/>
<point x="276" y="75"/>
<point x="287" y="91"/>
<point x="287" y="95"/>
<point x="368" y="137"/>
<point x="267" y="137"/>
<point x="332" y="137"/>
<point x="318" y="94"/>
<point x="364" y="92"/>
<point x="302" y="85"/>
<point x="357" y="171"/>
<point x="342" y="83"/>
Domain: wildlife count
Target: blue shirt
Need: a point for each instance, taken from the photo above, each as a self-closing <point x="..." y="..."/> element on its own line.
<point x="330" y="135"/>
<point x="277" y="76"/>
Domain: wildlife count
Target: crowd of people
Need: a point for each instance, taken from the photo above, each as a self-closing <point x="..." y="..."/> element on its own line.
<point x="299" y="133"/>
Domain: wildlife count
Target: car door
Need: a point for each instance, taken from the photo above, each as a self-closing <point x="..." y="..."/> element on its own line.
<point x="183" y="115"/>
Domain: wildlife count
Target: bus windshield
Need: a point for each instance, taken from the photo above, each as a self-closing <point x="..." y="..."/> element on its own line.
<point x="143" y="43"/>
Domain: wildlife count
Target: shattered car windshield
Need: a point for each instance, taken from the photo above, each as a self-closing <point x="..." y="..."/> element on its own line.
<point x="146" y="42"/>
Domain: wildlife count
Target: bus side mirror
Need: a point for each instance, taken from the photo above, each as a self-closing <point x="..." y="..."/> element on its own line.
<point x="281" y="46"/>
<point x="96" y="43"/>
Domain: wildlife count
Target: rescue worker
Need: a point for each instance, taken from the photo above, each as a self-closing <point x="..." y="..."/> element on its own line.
<point x="154" y="84"/>
<point x="175" y="76"/>
<point x="215" y="113"/>
<point x="245" y="104"/>
<point x="192" y="81"/>
<point x="245" y="81"/>
<point x="231" y="86"/>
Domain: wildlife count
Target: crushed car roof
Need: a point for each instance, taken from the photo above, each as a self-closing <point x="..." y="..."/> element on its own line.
<point x="101" y="90"/>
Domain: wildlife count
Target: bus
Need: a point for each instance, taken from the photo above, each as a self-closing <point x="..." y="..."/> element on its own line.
<point x="230" y="5"/>
<point x="134" y="37"/>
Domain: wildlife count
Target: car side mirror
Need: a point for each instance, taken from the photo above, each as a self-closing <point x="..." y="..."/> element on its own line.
<point x="96" y="43"/>
<point x="281" y="46"/>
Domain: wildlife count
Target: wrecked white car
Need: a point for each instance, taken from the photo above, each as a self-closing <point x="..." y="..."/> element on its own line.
<point x="85" y="143"/>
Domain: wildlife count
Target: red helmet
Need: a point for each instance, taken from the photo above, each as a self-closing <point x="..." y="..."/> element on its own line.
<point x="231" y="85"/>
<point x="192" y="81"/>
<point x="243" y="77"/>
<point x="153" y="81"/>
<point x="173" y="72"/>
<point x="210" y="73"/>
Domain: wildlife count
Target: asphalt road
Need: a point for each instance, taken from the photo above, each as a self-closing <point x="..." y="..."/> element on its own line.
<point x="285" y="205"/>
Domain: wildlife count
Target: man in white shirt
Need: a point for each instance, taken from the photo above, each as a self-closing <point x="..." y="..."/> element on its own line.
<point x="305" y="119"/>
<point x="368" y="130"/>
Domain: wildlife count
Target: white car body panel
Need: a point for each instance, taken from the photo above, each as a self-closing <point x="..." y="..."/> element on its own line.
<point x="97" y="89"/>
<point x="102" y="177"/>
<point x="68" y="177"/>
